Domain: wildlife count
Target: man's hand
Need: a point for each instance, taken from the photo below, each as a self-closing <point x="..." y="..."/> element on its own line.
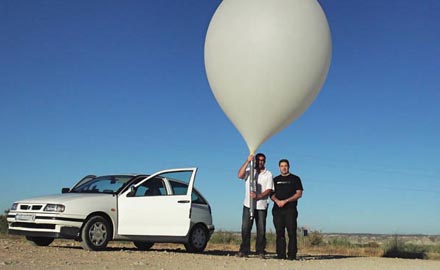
<point x="242" y="171"/>
<point x="280" y="203"/>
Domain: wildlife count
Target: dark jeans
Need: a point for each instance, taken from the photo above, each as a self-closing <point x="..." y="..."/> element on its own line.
<point x="246" y="228"/>
<point x="285" y="219"/>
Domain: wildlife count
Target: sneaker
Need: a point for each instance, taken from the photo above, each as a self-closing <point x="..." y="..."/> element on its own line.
<point x="242" y="254"/>
<point x="292" y="258"/>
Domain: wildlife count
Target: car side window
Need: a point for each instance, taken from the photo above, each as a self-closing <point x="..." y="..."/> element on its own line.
<point x="197" y="198"/>
<point x="182" y="189"/>
<point x="179" y="188"/>
<point x="152" y="187"/>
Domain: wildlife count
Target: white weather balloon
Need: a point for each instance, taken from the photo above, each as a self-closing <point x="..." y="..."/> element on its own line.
<point x="266" y="61"/>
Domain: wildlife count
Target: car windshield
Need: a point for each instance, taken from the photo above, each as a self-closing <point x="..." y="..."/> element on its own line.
<point x="104" y="184"/>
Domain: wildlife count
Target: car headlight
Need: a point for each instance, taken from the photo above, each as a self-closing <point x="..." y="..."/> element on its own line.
<point x="14" y="206"/>
<point x="54" y="208"/>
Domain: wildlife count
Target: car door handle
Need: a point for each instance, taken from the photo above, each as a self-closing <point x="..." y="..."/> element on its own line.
<point x="183" y="201"/>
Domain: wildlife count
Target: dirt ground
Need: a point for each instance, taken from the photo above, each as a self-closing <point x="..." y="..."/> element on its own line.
<point x="17" y="253"/>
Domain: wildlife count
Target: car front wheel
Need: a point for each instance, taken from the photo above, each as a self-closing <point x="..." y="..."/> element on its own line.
<point x="40" y="241"/>
<point x="96" y="233"/>
<point x="198" y="239"/>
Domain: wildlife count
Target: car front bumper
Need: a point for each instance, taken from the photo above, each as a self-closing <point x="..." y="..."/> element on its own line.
<point x="44" y="225"/>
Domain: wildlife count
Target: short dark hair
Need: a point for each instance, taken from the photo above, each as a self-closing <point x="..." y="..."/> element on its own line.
<point x="260" y="155"/>
<point x="284" y="160"/>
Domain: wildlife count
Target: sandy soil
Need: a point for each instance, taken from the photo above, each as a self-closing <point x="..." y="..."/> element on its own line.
<point x="17" y="253"/>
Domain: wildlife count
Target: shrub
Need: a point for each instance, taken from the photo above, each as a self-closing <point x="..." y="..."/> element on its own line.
<point x="3" y="224"/>
<point x="224" y="237"/>
<point x="340" y="242"/>
<point x="372" y="245"/>
<point x="396" y="248"/>
<point x="315" y="238"/>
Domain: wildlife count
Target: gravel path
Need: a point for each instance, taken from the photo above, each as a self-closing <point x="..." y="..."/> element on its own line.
<point x="67" y="255"/>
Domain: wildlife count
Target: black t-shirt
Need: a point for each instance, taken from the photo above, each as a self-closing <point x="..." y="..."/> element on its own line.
<point x="285" y="187"/>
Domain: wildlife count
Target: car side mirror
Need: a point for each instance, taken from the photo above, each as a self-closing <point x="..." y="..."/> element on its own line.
<point x="132" y="192"/>
<point x="65" y="190"/>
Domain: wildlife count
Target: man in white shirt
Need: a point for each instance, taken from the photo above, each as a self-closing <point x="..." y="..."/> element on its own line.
<point x="264" y="184"/>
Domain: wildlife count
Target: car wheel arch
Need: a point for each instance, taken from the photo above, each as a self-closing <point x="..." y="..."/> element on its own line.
<point x="200" y="246"/>
<point x="193" y="226"/>
<point x="101" y="214"/>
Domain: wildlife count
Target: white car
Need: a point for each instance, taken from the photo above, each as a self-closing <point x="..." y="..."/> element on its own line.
<point x="145" y="209"/>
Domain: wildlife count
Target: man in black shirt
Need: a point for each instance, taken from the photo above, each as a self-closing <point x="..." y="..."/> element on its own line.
<point x="287" y="190"/>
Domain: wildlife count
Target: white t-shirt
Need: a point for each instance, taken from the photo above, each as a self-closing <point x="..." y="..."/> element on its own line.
<point x="264" y="181"/>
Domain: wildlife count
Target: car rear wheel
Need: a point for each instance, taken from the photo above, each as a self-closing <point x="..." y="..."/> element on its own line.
<point x="143" y="245"/>
<point x="40" y="241"/>
<point x="198" y="239"/>
<point x="96" y="233"/>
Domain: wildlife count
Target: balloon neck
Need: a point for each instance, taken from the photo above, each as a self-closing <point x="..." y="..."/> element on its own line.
<point x="252" y="149"/>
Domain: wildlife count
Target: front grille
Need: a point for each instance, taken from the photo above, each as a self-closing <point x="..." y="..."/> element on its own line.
<point x="34" y="207"/>
<point x="32" y="225"/>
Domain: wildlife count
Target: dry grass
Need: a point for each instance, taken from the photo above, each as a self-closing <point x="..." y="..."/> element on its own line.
<point x="316" y="243"/>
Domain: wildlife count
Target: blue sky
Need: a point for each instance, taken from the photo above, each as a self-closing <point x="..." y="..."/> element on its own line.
<point x="102" y="87"/>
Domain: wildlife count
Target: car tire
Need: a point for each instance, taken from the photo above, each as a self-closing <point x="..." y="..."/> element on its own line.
<point x="96" y="233"/>
<point x="197" y="240"/>
<point x="143" y="245"/>
<point x="40" y="241"/>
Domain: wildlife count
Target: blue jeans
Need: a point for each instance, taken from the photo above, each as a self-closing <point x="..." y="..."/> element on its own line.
<point x="246" y="228"/>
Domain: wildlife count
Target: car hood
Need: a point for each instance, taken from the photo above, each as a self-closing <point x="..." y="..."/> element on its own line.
<point x="65" y="197"/>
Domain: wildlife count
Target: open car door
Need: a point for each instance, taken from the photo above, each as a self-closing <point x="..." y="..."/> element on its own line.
<point x="159" y="205"/>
